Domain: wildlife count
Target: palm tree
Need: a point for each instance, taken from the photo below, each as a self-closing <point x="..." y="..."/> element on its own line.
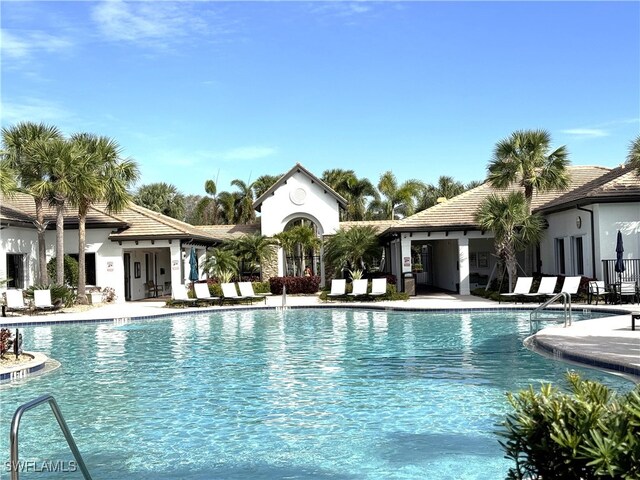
<point x="525" y="157"/>
<point x="633" y="158"/>
<point x="446" y="188"/>
<point x="60" y="158"/>
<point x="354" y="248"/>
<point x="103" y="177"/>
<point x="298" y="240"/>
<point x="254" y="250"/>
<point x="226" y="203"/>
<point x="17" y="143"/>
<point x="8" y="183"/>
<point x="244" y="207"/>
<point x="162" y="198"/>
<point x="358" y="193"/>
<point x="264" y="183"/>
<point x="220" y="260"/>
<point x="398" y="200"/>
<point x="207" y="207"/>
<point x="513" y="227"/>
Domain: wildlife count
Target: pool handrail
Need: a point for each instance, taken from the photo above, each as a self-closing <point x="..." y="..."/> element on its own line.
<point x="566" y="304"/>
<point x="15" y="426"/>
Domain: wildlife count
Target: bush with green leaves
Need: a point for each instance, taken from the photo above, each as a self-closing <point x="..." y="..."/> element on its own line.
<point x="60" y="294"/>
<point x="70" y="270"/>
<point x="585" y="434"/>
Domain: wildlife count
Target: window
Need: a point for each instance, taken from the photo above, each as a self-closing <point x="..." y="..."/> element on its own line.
<point x="90" y="266"/>
<point x="560" y="268"/>
<point x="15" y="270"/>
<point x="578" y="256"/>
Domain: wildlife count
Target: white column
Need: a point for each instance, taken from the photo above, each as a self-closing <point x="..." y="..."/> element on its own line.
<point x="175" y="254"/>
<point x="406" y="253"/>
<point x="463" y="263"/>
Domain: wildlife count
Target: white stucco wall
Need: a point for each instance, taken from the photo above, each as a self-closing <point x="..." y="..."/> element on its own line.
<point x="19" y="241"/>
<point x="299" y="197"/>
<point x="612" y="217"/>
<point x="445" y="258"/>
<point x="608" y="219"/>
<point x="563" y="227"/>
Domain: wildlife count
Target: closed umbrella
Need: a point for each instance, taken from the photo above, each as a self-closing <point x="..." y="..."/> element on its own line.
<point x="193" y="263"/>
<point x="619" y="267"/>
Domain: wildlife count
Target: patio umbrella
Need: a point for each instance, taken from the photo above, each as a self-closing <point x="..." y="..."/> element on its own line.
<point x="619" y="267"/>
<point x="193" y="263"/>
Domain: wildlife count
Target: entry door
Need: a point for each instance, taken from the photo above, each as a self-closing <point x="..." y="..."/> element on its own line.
<point x="127" y="276"/>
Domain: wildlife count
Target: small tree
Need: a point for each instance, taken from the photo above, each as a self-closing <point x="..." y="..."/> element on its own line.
<point x="220" y="260"/>
<point x="512" y="226"/>
<point x="353" y="248"/>
<point x="254" y="250"/>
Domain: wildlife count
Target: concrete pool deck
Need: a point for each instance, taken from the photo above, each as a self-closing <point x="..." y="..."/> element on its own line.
<point x="607" y="343"/>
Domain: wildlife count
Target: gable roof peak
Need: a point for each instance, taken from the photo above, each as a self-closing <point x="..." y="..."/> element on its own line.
<point x="299" y="168"/>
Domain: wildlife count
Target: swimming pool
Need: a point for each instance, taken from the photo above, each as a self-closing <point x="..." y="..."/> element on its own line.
<point x="300" y="394"/>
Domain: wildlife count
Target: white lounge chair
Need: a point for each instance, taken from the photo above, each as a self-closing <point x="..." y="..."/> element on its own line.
<point x="338" y="288"/>
<point x="359" y="288"/>
<point x="202" y="292"/>
<point x="15" y="301"/>
<point x="546" y="287"/>
<point x="229" y="292"/>
<point x="570" y="286"/>
<point x="378" y="287"/>
<point x="42" y="301"/>
<point x="179" y="294"/>
<point x="522" y="288"/>
<point x="246" y="291"/>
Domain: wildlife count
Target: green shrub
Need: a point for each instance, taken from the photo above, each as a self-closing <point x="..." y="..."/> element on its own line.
<point x="70" y="270"/>
<point x="585" y="434"/>
<point x="261" y="287"/>
<point x="60" y="294"/>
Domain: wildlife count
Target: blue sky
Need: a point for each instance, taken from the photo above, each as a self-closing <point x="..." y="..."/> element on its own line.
<point x="195" y="91"/>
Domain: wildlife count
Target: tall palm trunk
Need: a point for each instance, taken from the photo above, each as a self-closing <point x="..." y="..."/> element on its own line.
<point x="41" y="227"/>
<point x="82" y="267"/>
<point x="60" y="242"/>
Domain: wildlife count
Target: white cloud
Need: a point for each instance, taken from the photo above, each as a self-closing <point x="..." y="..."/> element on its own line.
<point x="586" y="132"/>
<point x="35" y="110"/>
<point x="21" y="47"/>
<point x="157" y="24"/>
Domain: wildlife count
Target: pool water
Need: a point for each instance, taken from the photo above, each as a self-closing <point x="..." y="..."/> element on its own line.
<point x="300" y="394"/>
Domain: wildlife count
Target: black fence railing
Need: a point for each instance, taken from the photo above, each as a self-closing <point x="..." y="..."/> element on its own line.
<point x="296" y="265"/>
<point x="631" y="271"/>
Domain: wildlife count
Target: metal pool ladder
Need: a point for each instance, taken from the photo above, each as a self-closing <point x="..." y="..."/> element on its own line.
<point x="566" y="304"/>
<point x="15" y="425"/>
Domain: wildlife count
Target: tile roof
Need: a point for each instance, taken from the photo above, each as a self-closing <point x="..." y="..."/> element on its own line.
<point x="298" y="168"/>
<point x="229" y="232"/>
<point x="145" y="224"/>
<point x="379" y="225"/>
<point x="23" y="203"/>
<point x="458" y="212"/>
<point x="619" y="184"/>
